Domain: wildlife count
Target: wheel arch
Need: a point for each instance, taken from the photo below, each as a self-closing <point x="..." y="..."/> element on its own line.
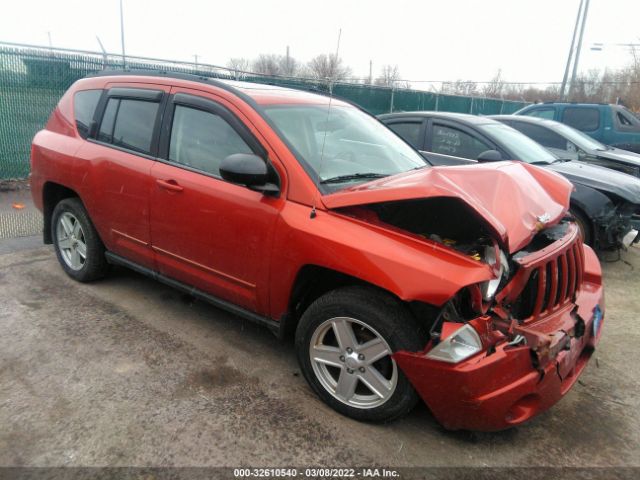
<point x="52" y="194"/>
<point x="593" y="205"/>
<point x="312" y="281"/>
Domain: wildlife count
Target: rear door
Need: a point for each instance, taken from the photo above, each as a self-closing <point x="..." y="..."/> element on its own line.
<point x="207" y="232"/>
<point x="122" y="146"/>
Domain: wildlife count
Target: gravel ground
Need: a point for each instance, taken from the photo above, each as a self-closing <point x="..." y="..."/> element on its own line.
<point x="128" y="372"/>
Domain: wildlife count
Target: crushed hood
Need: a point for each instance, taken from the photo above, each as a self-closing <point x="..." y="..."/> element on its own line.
<point x="600" y="178"/>
<point x="512" y="197"/>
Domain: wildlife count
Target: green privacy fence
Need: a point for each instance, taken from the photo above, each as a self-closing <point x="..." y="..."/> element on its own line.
<point x="32" y="80"/>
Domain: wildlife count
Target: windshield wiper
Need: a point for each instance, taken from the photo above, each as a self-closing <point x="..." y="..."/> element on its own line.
<point x="353" y="176"/>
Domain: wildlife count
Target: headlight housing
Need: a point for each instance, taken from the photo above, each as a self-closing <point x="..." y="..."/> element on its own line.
<point x="458" y="346"/>
<point x="490" y="287"/>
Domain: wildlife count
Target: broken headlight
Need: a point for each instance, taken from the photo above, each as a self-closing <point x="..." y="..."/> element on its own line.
<point x="501" y="269"/>
<point x="458" y="346"/>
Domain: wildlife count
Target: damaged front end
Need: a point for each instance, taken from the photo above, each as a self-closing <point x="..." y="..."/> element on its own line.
<point x="509" y="343"/>
<point x="505" y="349"/>
<point x="495" y="361"/>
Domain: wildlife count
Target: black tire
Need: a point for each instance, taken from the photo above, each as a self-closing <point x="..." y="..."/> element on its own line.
<point x="584" y="225"/>
<point x="389" y="318"/>
<point x="95" y="265"/>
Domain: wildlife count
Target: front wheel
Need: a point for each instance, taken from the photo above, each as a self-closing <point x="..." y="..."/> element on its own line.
<point x="345" y="341"/>
<point x="584" y="226"/>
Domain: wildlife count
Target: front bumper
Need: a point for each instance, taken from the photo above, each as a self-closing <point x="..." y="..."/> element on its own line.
<point x="495" y="391"/>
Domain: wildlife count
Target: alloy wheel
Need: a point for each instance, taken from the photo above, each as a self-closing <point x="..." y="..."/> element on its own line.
<point x="353" y="362"/>
<point x="71" y="241"/>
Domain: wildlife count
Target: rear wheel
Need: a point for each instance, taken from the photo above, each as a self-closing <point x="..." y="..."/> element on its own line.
<point x="78" y="247"/>
<point x="344" y="343"/>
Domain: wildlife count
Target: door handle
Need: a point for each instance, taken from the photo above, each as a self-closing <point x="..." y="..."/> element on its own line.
<point x="170" y="185"/>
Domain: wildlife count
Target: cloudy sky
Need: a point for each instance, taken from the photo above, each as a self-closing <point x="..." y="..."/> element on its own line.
<point x="427" y="39"/>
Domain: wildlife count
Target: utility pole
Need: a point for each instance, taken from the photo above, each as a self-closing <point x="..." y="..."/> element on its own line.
<point x="288" y="63"/>
<point x="124" y="57"/>
<point x="579" y="47"/>
<point x="570" y="56"/>
<point x="195" y="57"/>
<point x="104" y="53"/>
<point x="370" y="72"/>
<point x="50" y="43"/>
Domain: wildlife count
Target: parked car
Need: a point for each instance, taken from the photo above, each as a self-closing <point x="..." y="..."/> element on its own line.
<point x="567" y="142"/>
<point x="603" y="202"/>
<point x="466" y="286"/>
<point x="612" y="125"/>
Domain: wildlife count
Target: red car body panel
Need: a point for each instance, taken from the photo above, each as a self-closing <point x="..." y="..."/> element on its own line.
<point x="249" y="249"/>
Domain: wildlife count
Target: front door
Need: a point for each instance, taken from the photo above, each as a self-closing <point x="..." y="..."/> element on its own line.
<point x="207" y="232"/>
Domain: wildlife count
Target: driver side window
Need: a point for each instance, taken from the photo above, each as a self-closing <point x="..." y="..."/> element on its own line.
<point x="451" y="141"/>
<point x="201" y="140"/>
<point x="542" y="135"/>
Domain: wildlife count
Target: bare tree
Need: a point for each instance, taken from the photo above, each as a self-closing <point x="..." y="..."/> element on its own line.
<point x="267" y="64"/>
<point x="390" y="77"/>
<point x="495" y="87"/>
<point x="238" y="67"/>
<point x="288" y="66"/>
<point x="330" y="67"/>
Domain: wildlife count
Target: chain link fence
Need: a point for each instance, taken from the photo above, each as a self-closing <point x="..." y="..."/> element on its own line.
<point x="32" y="80"/>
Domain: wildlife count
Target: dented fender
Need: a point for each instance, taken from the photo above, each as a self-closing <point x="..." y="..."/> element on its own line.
<point x="410" y="267"/>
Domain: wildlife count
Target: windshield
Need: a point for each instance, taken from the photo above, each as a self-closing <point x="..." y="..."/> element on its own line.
<point x="581" y="140"/>
<point x="357" y="148"/>
<point x="519" y="144"/>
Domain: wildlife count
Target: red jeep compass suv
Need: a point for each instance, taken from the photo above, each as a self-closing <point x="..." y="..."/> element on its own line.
<point x="466" y="286"/>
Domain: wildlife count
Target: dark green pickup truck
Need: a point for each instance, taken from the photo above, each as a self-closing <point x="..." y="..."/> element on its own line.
<point x="612" y="125"/>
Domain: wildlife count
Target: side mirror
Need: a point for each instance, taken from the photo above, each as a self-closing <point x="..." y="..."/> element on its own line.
<point x="248" y="169"/>
<point x="490" y="156"/>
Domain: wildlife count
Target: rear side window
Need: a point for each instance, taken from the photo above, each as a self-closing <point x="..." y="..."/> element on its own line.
<point x="547" y="113"/>
<point x="84" y="106"/>
<point x="409" y="131"/>
<point x="201" y="140"/>
<point x="624" y="120"/>
<point x="129" y="124"/>
<point x="585" y="119"/>
<point x="542" y="135"/>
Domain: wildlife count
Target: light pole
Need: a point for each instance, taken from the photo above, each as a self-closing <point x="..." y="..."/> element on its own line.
<point x="575" y="64"/>
<point x="124" y="57"/>
<point x="104" y="53"/>
<point x="570" y="56"/>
